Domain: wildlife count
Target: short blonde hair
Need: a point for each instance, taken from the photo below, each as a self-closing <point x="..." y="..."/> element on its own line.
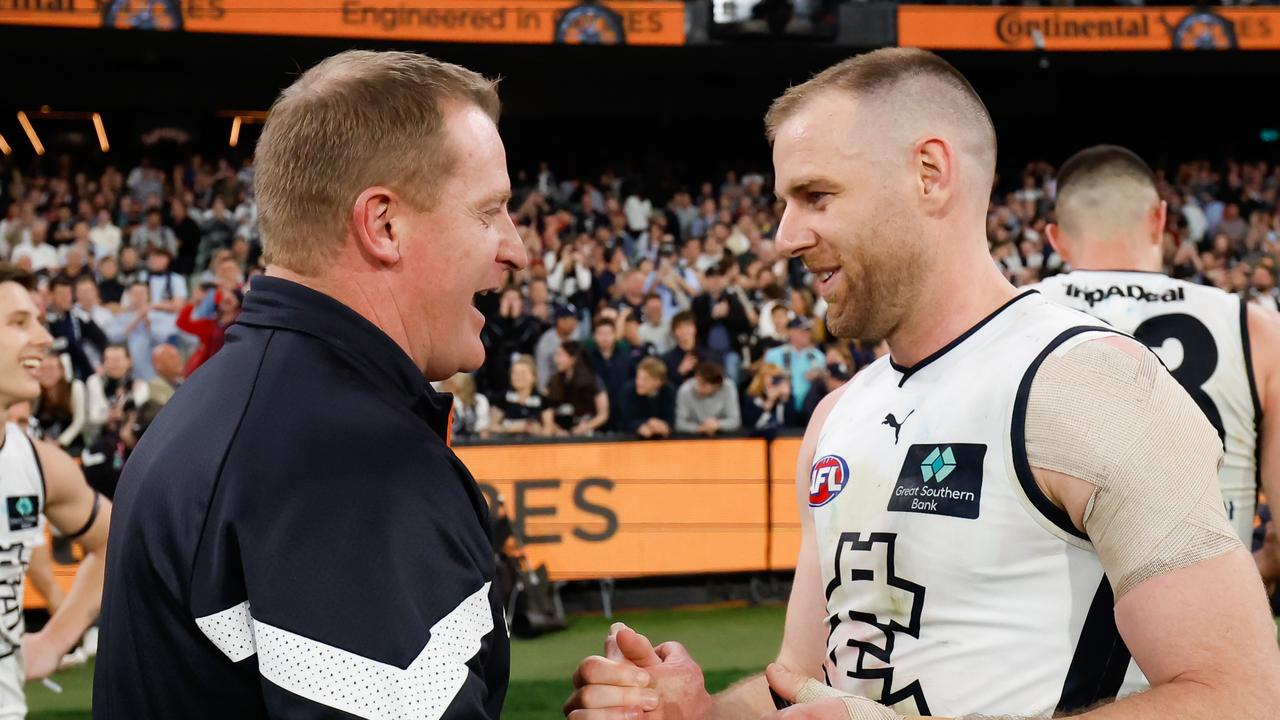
<point x="355" y="120"/>
<point x="882" y="71"/>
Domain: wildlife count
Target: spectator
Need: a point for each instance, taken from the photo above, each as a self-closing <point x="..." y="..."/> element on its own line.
<point x="632" y="292"/>
<point x="42" y="256"/>
<point x="89" y="306"/>
<point x="104" y="236"/>
<point x="107" y="457"/>
<point x="207" y="318"/>
<point x="187" y="234"/>
<point x="470" y="408"/>
<point x="568" y="274"/>
<point x="168" y="289"/>
<point x="564" y="330"/>
<point x="110" y="289"/>
<point x="840" y="367"/>
<point x="217" y="229"/>
<point x="722" y="322"/>
<point x="153" y="235"/>
<point x="684" y="358"/>
<point x="799" y="359"/>
<point x="519" y="412"/>
<point x="767" y="405"/>
<point x="611" y="364"/>
<point x="14" y="230"/>
<point x="60" y="410"/>
<point x="706" y="404"/>
<point x="135" y="327"/>
<point x="72" y="264"/>
<point x="167" y="362"/>
<point x="131" y="269"/>
<point x="576" y="400"/>
<point x="111" y="392"/>
<point x="648" y="404"/>
<point x="1263" y="290"/>
<point x="74" y="333"/>
<point x="656" y="329"/>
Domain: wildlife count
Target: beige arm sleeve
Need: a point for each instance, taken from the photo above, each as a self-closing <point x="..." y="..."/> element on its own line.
<point x="1114" y="418"/>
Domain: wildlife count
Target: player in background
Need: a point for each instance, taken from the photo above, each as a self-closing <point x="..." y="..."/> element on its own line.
<point x="1222" y="349"/>
<point x="38" y="481"/>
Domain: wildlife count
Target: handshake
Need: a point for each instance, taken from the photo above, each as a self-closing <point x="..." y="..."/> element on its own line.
<point x="634" y="680"/>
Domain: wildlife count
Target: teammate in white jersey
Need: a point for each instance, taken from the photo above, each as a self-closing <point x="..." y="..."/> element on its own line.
<point x="971" y="504"/>
<point x="1224" y="350"/>
<point x="38" y="481"/>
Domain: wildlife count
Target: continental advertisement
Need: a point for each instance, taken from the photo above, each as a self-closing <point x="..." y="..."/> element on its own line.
<point x="616" y="22"/>
<point x="1089" y="29"/>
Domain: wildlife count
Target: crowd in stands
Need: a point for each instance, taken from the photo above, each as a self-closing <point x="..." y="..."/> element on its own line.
<point x="641" y="314"/>
<point x="139" y="275"/>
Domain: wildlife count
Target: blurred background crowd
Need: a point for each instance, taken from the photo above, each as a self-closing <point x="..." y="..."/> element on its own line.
<point x="643" y="312"/>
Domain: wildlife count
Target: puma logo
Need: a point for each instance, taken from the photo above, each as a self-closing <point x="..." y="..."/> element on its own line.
<point x="892" y="422"/>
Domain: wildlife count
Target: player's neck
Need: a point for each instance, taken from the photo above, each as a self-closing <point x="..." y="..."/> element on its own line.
<point x="1116" y="261"/>
<point x="953" y="301"/>
<point x="361" y="294"/>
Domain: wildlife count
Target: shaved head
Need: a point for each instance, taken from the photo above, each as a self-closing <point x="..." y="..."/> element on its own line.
<point x="905" y="93"/>
<point x="886" y="162"/>
<point x="1104" y="193"/>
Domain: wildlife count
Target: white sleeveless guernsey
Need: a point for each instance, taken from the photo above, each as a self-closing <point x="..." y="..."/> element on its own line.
<point x="1202" y="335"/>
<point x="953" y="585"/>
<point x="22" y="491"/>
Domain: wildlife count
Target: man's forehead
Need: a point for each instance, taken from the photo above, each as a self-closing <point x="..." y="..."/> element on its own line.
<point x="813" y="142"/>
<point x="14" y="297"/>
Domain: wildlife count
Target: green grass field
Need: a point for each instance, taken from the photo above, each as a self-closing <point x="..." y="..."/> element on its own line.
<point x="728" y="642"/>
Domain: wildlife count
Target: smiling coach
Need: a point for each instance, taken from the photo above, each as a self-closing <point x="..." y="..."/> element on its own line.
<point x="294" y="538"/>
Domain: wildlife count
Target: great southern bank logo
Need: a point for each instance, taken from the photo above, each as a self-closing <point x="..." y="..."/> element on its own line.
<point x="828" y="477"/>
<point x="938" y="465"/>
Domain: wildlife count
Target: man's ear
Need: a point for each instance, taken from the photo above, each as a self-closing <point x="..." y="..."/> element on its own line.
<point x="372" y="219"/>
<point x="1054" y="234"/>
<point x="935" y="165"/>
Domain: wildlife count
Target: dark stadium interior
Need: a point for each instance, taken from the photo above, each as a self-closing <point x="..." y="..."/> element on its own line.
<point x="673" y="115"/>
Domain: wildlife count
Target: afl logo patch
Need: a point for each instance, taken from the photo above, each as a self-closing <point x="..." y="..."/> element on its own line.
<point x="828" y="477"/>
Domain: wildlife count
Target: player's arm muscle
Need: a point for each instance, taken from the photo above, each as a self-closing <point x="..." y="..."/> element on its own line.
<point x="70" y="505"/>
<point x="1264" y="346"/>
<point x="804" y="635"/>
<point x="1189" y="605"/>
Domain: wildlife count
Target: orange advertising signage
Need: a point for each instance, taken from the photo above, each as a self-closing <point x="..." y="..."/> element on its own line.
<point x="1088" y="29"/>
<point x="630" y="22"/>
<point x="628" y="509"/>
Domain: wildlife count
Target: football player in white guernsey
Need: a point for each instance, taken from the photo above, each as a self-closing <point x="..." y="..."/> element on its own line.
<point x="38" y="481"/>
<point x="1004" y="510"/>
<point x="1224" y="350"/>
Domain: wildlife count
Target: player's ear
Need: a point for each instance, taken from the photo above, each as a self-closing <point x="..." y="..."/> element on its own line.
<point x="935" y="165"/>
<point x="374" y="218"/>
<point x="1156" y="219"/>
<point x="1054" y="234"/>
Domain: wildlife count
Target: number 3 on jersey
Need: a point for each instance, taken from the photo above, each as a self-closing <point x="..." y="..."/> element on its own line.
<point x="1199" y="357"/>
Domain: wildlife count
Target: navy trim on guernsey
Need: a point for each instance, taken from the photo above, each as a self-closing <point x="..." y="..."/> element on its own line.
<point x="44" y="487"/>
<point x="1253" y="395"/>
<point x="907" y="372"/>
<point x="1018" y="435"/>
<point x="93" y="515"/>
<point x="1101" y="659"/>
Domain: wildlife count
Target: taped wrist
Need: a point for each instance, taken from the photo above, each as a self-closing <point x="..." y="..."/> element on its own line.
<point x="859" y="708"/>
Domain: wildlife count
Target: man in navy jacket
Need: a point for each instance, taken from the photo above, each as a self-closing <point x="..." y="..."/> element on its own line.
<point x="296" y="538"/>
